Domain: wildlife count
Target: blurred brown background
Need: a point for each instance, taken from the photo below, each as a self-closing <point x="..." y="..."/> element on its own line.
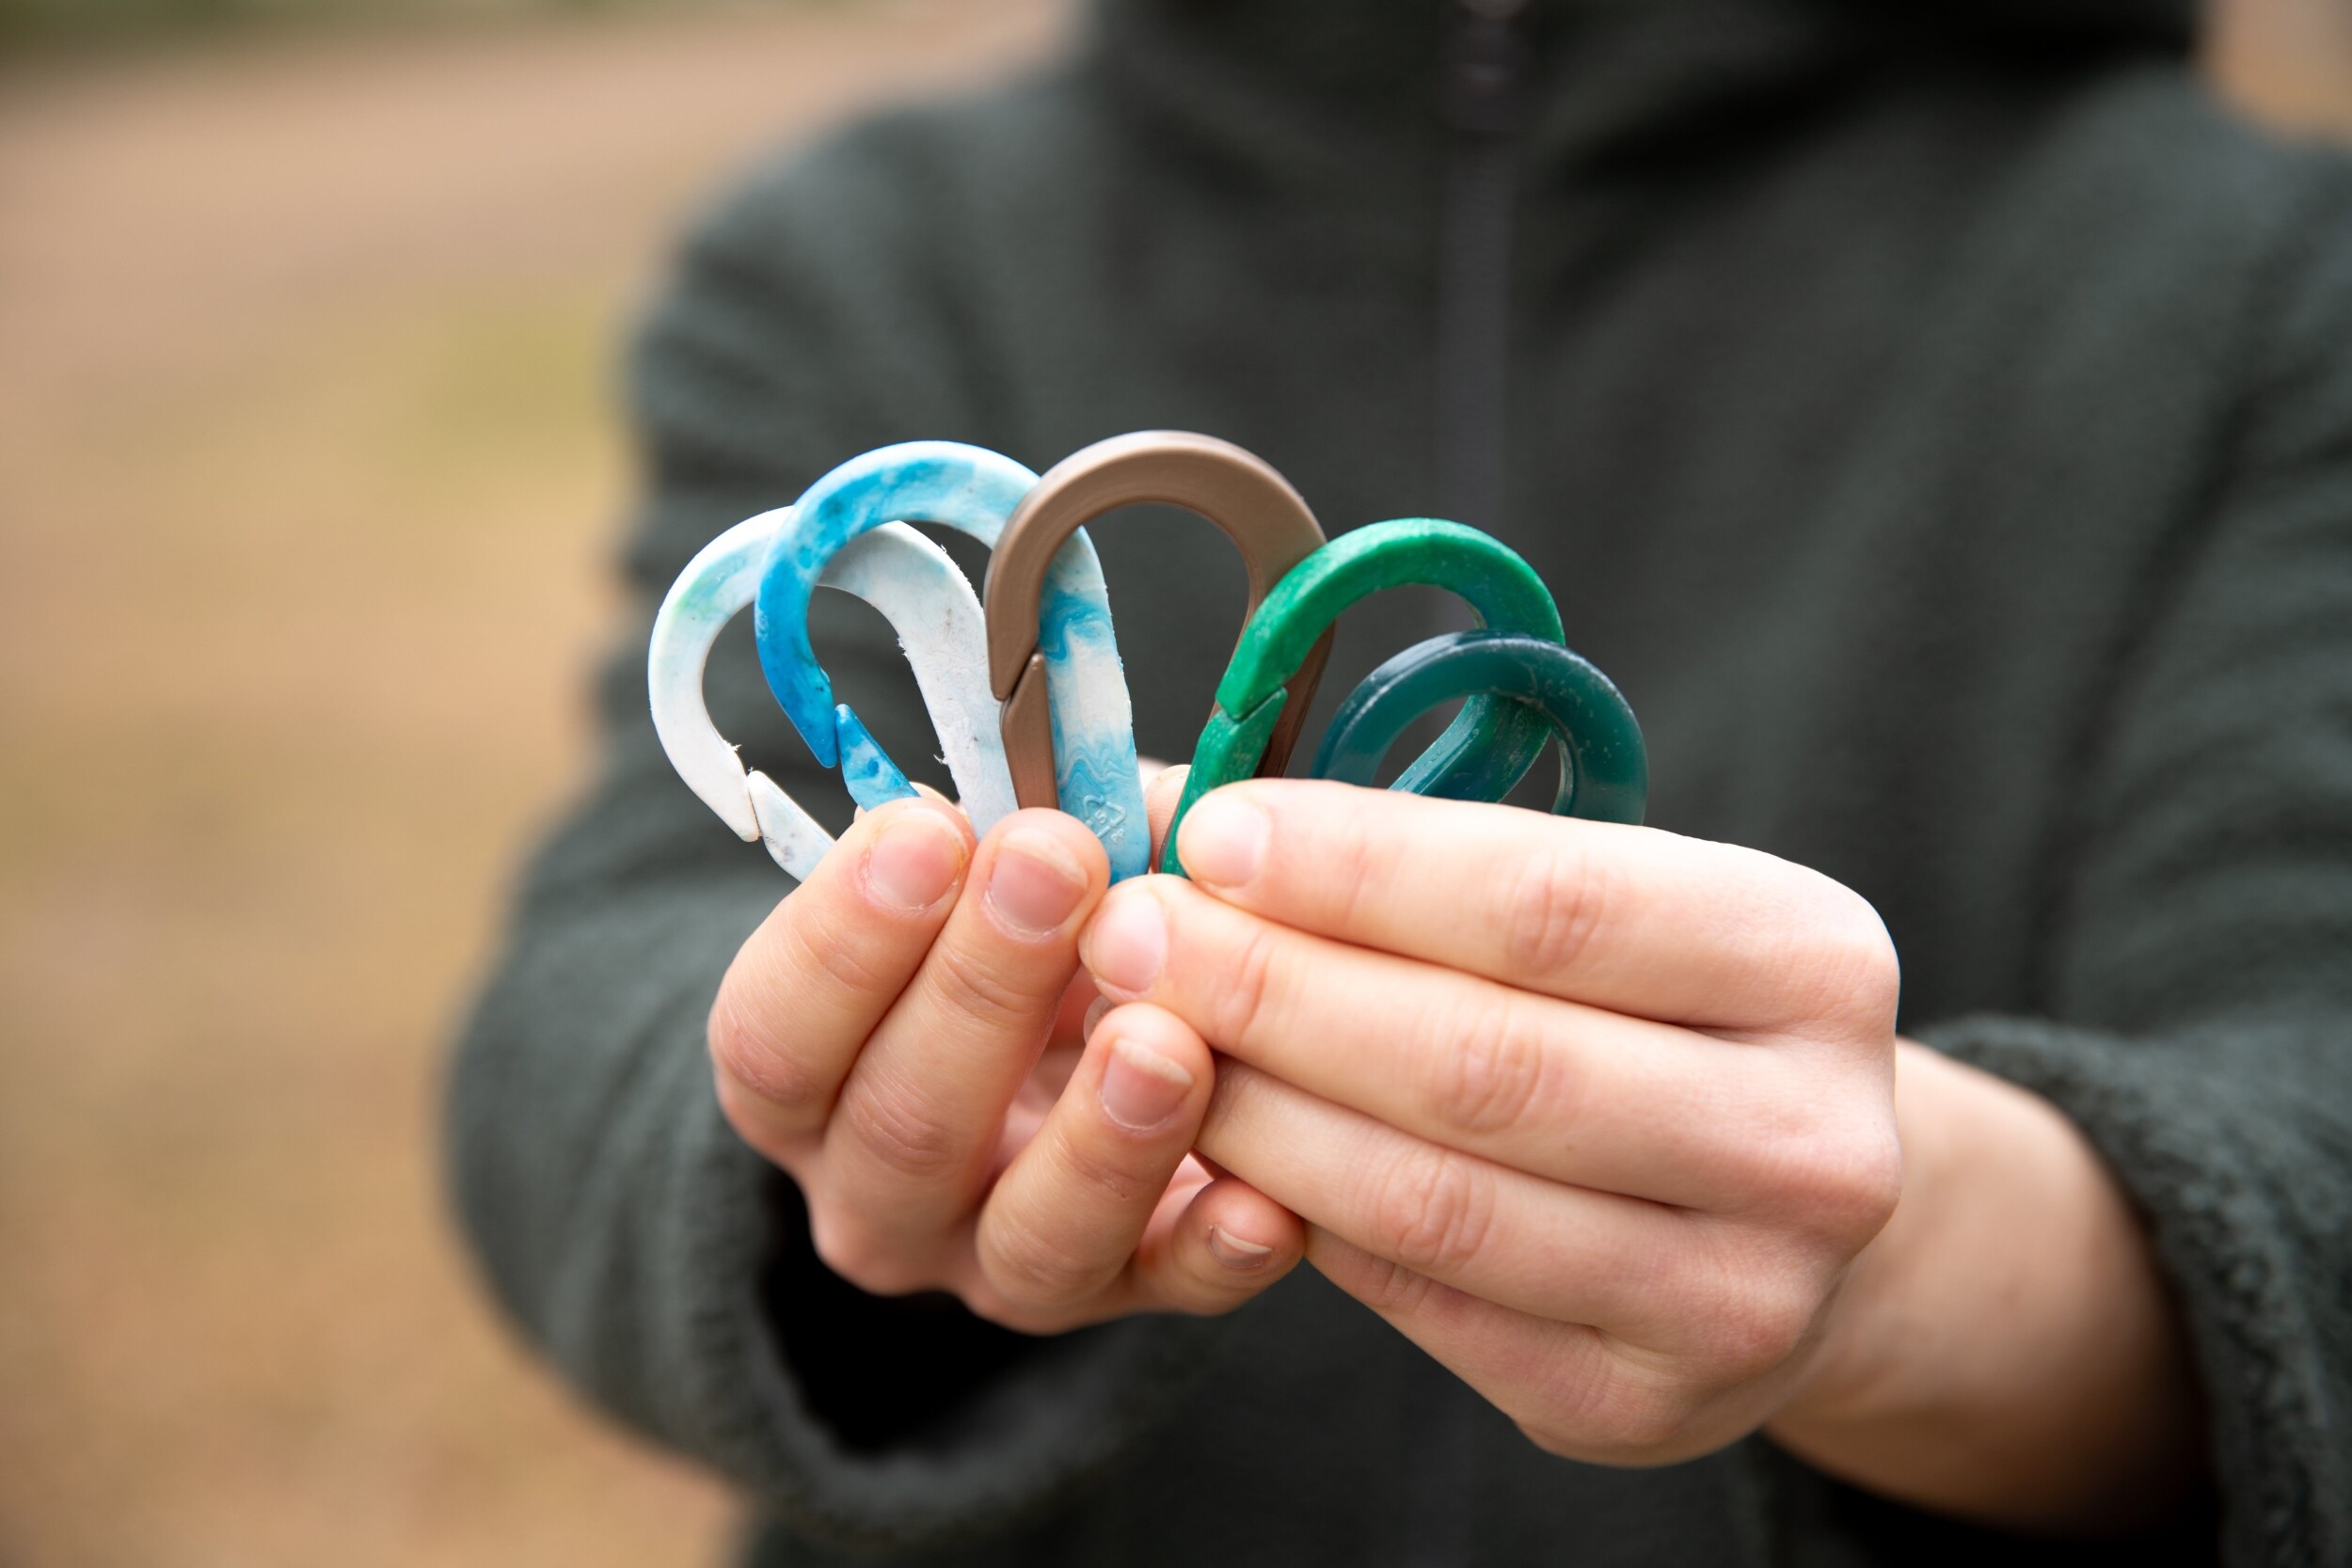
<point x="307" y="479"/>
<point x="308" y="476"/>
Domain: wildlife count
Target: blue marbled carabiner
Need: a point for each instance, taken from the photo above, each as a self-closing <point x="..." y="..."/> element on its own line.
<point x="974" y="491"/>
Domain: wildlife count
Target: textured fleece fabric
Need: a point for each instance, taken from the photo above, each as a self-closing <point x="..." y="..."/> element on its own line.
<point x="1937" y="419"/>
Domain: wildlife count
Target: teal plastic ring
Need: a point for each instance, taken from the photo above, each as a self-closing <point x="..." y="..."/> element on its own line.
<point x="1604" y="768"/>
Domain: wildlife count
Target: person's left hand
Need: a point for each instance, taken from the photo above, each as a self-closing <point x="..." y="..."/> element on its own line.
<point x="1598" y="1116"/>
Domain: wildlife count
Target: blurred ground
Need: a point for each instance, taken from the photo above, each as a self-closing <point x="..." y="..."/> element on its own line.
<point x="307" y="483"/>
<point x="2287" y="62"/>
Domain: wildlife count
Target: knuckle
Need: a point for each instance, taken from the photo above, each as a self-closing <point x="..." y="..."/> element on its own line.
<point x="1246" y="991"/>
<point x="1758" y="1326"/>
<point x="1389" y="1287"/>
<point x="810" y="948"/>
<point x="1032" y="1269"/>
<point x="1839" y="1183"/>
<point x="1553" y="907"/>
<point x="906" y="1136"/>
<point x="1557" y="1400"/>
<point x="1853" y="979"/>
<point x="1603" y="1407"/>
<point x="1751" y="1300"/>
<point x="748" y="1056"/>
<point x="1352" y="866"/>
<point x="1089" y="1167"/>
<point x="1490" y="1075"/>
<point x="972" y="986"/>
<point x="1431" y="1210"/>
<point x="1857" y="1196"/>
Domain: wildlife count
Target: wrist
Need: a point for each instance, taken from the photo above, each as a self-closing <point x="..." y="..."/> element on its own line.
<point x="1878" y="1349"/>
<point x="2004" y="1349"/>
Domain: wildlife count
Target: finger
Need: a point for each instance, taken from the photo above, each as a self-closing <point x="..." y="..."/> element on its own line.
<point x="1630" y="919"/>
<point x="1566" y="1253"/>
<point x="916" y="1132"/>
<point x="1064" y="1222"/>
<point x="1160" y="798"/>
<point x="1570" y="1388"/>
<point x="1229" y="1243"/>
<point x="1065" y="1043"/>
<point x="1555" y="1088"/>
<point x="1064" y="1218"/>
<point x="808" y="987"/>
<point x="926" y="792"/>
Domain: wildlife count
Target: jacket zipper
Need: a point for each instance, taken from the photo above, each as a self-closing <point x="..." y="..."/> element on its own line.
<point x="1481" y="92"/>
<point x="1482" y="97"/>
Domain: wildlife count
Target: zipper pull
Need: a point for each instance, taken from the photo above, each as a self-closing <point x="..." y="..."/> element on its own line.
<point x="1483" y="78"/>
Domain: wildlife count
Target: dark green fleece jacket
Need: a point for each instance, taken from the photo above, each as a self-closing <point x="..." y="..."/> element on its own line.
<point x="1938" y="418"/>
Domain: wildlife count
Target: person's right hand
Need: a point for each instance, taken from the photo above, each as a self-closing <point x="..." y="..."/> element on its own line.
<point x="897" y="1036"/>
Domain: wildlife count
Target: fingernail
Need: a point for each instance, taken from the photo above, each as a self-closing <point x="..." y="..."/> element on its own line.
<point x="913" y="861"/>
<point x="1141" y="1088"/>
<point x="1223" y="840"/>
<point x="1127" y="942"/>
<point x="1235" y="1252"/>
<point x="1097" y="1010"/>
<point x="1035" y="882"/>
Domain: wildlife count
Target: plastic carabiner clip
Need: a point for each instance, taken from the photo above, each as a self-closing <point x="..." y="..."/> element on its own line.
<point x="1267" y="521"/>
<point x="975" y="491"/>
<point x="928" y="602"/>
<point x="1491" y="743"/>
<point x="1604" y="769"/>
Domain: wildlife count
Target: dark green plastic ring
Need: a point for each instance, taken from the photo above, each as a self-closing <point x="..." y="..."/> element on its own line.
<point x="1604" y="769"/>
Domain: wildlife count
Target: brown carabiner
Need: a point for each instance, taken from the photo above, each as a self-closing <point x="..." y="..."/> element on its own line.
<point x="1257" y="509"/>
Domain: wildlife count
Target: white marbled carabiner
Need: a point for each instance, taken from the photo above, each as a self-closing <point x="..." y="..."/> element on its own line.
<point x="928" y="602"/>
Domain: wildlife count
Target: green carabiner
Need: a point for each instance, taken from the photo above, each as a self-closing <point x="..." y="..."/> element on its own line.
<point x="1491" y="743"/>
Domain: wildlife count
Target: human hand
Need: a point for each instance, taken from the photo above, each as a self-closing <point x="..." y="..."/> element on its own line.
<point x="902" y="1036"/>
<point x="1596" y="1115"/>
<point x="1601" y="1118"/>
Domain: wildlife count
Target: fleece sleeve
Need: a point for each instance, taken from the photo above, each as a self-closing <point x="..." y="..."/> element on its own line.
<point x="664" y="1268"/>
<point x="2201" y="964"/>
